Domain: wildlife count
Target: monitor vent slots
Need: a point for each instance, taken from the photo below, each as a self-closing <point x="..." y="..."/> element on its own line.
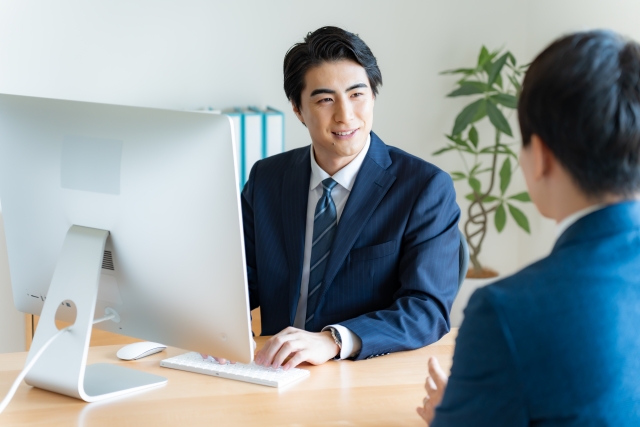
<point x="107" y="261"/>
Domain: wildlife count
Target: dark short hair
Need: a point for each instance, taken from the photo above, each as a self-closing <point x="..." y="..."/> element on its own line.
<point x="326" y="44"/>
<point x="581" y="96"/>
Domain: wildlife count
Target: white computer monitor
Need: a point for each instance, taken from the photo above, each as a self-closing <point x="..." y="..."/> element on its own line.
<point x="127" y="210"/>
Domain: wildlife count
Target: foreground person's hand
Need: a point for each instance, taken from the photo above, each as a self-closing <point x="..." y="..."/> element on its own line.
<point x="435" y="386"/>
<point x="301" y="346"/>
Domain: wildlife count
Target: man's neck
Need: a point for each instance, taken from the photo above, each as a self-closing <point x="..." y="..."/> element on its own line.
<point x="578" y="202"/>
<point x="332" y="164"/>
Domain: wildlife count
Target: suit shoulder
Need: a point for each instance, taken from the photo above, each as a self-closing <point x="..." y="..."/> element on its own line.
<point x="275" y="166"/>
<point x="405" y="163"/>
<point x="283" y="160"/>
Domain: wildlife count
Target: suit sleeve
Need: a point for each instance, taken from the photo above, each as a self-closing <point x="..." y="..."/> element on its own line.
<point x="428" y="276"/>
<point x="485" y="387"/>
<point x="248" y="224"/>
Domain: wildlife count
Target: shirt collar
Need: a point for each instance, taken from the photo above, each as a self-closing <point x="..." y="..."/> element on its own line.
<point x="346" y="176"/>
<point x="574" y="217"/>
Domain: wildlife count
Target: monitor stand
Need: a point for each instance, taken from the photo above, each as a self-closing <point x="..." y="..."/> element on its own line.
<point x="62" y="367"/>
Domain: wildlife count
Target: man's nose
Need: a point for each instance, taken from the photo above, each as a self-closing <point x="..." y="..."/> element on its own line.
<point x="344" y="112"/>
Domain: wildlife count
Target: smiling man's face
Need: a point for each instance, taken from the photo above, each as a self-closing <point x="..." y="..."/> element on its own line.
<point x="336" y="105"/>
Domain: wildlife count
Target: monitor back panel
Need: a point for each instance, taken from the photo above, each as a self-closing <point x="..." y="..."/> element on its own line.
<point x="163" y="183"/>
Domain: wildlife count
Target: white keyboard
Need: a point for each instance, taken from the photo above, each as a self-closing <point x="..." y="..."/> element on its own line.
<point x="251" y="373"/>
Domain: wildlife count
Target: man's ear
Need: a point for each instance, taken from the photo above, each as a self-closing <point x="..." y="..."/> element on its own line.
<point x="298" y="113"/>
<point x="544" y="162"/>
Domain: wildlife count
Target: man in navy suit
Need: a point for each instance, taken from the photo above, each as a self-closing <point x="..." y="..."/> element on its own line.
<point x="557" y="344"/>
<point x="351" y="245"/>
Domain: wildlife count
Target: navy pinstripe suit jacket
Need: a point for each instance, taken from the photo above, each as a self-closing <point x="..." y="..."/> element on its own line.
<point x="392" y="274"/>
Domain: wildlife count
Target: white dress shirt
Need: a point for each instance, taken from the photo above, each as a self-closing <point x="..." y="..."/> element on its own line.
<point x="345" y="177"/>
<point x="574" y="217"/>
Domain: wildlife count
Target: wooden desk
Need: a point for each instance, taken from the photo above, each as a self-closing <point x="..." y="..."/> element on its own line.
<point x="379" y="392"/>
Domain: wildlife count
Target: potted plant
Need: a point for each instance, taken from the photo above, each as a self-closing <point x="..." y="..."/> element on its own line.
<point x="488" y="163"/>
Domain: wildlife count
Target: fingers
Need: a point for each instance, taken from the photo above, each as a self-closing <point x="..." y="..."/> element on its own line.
<point x="430" y="386"/>
<point x="285" y="351"/>
<point x="265" y="356"/>
<point x="427" y="411"/>
<point x="204" y="356"/>
<point x="435" y="371"/>
<point x="422" y="413"/>
<point x="435" y="386"/>
<point x="297" y="359"/>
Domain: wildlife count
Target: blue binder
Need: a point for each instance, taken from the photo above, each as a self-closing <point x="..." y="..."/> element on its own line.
<point x="253" y="139"/>
<point x="273" y="130"/>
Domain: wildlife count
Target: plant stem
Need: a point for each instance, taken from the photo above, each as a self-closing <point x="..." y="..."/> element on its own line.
<point x="472" y="219"/>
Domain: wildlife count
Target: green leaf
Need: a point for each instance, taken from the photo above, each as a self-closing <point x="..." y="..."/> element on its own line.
<point x="486" y="199"/>
<point x="482" y="112"/>
<point x="499" y="81"/>
<point x="461" y="143"/>
<point x="505" y="99"/>
<point x="469" y="88"/>
<point x="497" y="118"/>
<point x="475" y="184"/>
<point x="456" y="176"/>
<point x="505" y="175"/>
<point x="500" y="218"/>
<point x="498" y="150"/>
<point x="465" y="71"/>
<point x="473" y="169"/>
<point x="468" y="115"/>
<point x="473" y="136"/>
<point x="483" y="57"/>
<point x="504" y="149"/>
<point x="496" y="68"/>
<point x="515" y="83"/>
<point x="512" y="59"/>
<point x="521" y="197"/>
<point x="520" y="218"/>
<point x="443" y="150"/>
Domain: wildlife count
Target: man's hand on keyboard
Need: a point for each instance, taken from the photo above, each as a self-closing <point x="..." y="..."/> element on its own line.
<point x="301" y="346"/>
<point x="221" y="360"/>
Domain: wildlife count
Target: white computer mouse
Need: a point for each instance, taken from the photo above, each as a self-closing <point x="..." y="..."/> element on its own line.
<point x="138" y="350"/>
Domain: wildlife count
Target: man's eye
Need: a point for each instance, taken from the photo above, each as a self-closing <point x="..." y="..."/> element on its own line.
<point x="326" y="100"/>
<point x="357" y="94"/>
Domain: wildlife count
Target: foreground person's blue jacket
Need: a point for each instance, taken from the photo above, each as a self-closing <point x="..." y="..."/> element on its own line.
<point x="557" y="344"/>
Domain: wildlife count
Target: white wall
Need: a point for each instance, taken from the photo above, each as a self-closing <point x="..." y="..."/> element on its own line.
<point x="185" y="54"/>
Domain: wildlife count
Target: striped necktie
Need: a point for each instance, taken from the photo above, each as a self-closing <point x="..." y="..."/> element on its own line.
<point x="324" y="228"/>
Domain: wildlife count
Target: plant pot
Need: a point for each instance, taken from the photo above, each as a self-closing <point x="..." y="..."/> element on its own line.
<point x="467" y="288"/>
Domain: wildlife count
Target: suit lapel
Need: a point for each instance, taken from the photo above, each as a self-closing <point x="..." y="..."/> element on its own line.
<point x="371" y="185"/>
<point x="295" y="194"/>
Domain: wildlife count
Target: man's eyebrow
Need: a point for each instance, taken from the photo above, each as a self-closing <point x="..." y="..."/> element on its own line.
<point x="319" y="91"/>
<point x="356" y="86"/>
<point x="331" y="91"/>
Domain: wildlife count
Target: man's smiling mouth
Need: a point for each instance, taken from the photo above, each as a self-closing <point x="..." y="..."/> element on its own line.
<point x="345" y="133"/>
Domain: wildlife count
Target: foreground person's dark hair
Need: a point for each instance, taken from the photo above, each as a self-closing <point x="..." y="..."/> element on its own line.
<point x="581" y="96"/>
<point x="326" y="44"/>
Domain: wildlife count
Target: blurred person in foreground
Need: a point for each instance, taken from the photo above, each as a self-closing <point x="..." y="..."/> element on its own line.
<point x="557" y="343"/>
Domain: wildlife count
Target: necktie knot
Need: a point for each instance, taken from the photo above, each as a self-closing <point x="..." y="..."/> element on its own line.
<point x="328" y="185"/>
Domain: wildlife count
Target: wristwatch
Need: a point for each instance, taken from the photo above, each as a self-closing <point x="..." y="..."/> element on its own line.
<point x="336" y="337"/>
